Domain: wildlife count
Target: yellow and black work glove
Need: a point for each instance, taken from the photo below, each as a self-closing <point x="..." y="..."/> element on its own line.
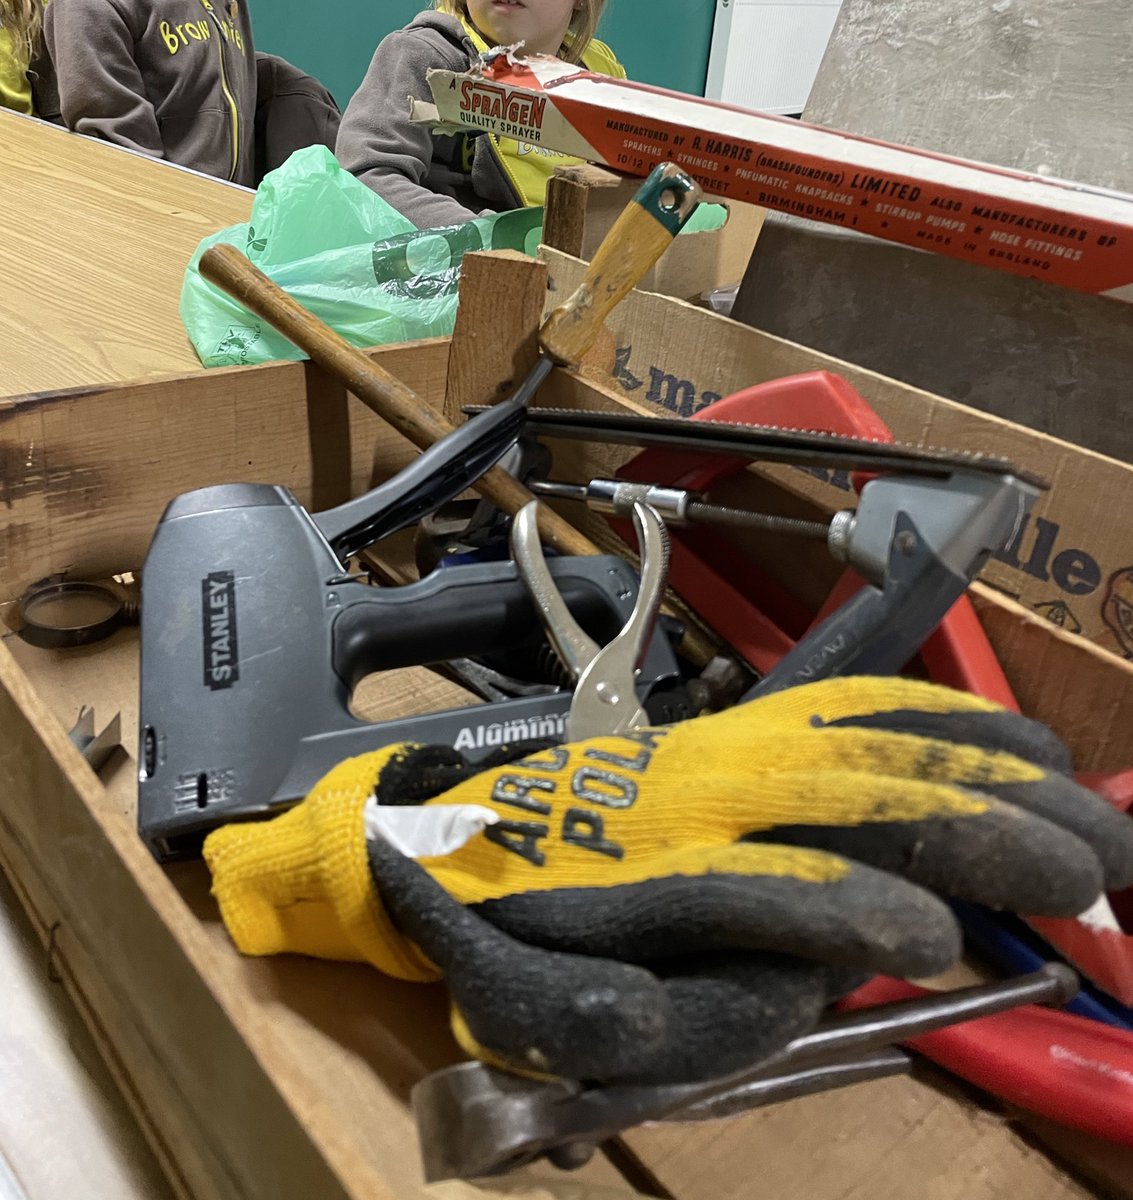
<point x="678" y="902"/>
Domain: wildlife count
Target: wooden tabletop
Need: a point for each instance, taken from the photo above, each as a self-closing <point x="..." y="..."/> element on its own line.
<point x="93" y="250"/>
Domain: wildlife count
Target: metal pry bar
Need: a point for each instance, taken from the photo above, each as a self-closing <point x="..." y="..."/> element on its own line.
<point x="605" y="700"/>
<point x="474" y="1120"/>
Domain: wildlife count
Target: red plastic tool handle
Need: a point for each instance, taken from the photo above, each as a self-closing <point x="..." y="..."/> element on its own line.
<point x="1072" y="1070"/>
<point x="957" y="654"/>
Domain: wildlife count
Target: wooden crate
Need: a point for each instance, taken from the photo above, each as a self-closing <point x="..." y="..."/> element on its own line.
<point x="288" y="1078"/>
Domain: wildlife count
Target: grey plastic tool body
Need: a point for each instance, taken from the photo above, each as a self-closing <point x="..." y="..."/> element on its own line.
<point x="918" y="542"/>
<point x="253" y="639"/>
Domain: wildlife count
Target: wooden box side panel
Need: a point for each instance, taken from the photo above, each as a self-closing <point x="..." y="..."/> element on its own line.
<point x="85" y="475"/>
<point x="1077" y="688"/>
<point x="134" y="958"/>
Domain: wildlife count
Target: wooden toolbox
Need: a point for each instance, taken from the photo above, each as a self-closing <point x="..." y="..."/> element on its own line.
<point x="287" y="1078"/>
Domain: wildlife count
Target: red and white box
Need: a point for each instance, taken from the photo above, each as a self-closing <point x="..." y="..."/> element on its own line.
<point x="1063" y="233"/>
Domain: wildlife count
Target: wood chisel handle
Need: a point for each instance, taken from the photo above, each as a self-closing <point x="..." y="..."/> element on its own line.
<point x="637" y="239"/>
<point x="393" y="400"/>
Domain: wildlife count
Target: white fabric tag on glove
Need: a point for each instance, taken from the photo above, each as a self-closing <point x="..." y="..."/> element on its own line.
<point x="1100" y="916"/>
<point x="424" y="832"/>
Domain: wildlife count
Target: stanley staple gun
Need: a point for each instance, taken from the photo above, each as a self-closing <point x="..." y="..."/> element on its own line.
<point x="254" y="637"/>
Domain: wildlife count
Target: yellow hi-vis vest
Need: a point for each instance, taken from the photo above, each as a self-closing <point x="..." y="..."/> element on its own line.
<point x="529" y="167"/>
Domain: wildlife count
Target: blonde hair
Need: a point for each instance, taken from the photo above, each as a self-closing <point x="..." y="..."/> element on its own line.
<point x="22" y="18"/>
<point x="580" y="33"/>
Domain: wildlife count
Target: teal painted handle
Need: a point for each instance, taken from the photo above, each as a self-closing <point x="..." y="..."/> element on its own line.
<point x="637" y="239"/>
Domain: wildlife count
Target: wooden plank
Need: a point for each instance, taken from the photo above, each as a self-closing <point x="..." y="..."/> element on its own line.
<point x="85" y="474"/>
<point x="889" y="1140"/>
<point x="137" y="958"/>
<point x="55" y="1089"/>
<point x="495" y="339"/>
<point x="1076" y="687"/>
<point x="503" y="296"/>
<point x="95" y="245"/>
<point x="148" y="1097"/>
<point x="564" y="215"/>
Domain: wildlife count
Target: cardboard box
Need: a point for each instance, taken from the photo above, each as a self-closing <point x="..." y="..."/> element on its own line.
<point x="1072" y="561"/>
<point x="1061" y="232"/>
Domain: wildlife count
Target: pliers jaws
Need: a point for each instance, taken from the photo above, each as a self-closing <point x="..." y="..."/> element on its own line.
<point x="605" y="698"/>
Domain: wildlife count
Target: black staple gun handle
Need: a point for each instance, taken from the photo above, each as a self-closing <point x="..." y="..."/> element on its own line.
<point x="452" y="614"/>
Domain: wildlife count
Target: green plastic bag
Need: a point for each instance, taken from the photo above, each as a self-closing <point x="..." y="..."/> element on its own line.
<point x="345" y="255"/>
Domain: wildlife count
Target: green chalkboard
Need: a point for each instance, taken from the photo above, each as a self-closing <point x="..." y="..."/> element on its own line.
<point x="663" y="42"/>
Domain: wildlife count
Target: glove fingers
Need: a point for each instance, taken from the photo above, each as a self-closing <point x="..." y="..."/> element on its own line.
<point x="743" y="897"/>
<point x="730" y="1011"/>
<point x="1085" y="814"/>
<point x="530" y="1009"/>
<point x="999" y="754"/>
<point x="1000" y="730"/>
<point x="834" y="699"/>
<point x="1002" y="856"/>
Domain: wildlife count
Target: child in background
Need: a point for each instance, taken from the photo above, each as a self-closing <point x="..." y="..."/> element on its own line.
<point x="445" y="180"/>
<point x="19" y="37"/>
<point x="175" y="79"/>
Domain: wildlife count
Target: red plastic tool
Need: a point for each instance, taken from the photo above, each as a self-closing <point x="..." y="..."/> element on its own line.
<point x="753" y="611"/>
<point x="745" y="605"/>
<point x="1072" y="1070"/>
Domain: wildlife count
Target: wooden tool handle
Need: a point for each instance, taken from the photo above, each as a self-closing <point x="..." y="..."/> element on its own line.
<point x="391" y="399"/>
<point x="637" y="239"/>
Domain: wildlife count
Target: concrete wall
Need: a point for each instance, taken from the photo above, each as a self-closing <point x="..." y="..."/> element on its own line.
<point x="1038" y="85"/>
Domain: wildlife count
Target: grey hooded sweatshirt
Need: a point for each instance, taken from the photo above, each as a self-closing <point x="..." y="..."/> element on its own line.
<point x="175" y="79"/>
<point x="431" y="180"/>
